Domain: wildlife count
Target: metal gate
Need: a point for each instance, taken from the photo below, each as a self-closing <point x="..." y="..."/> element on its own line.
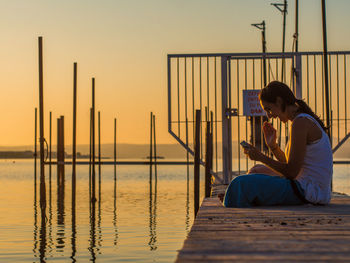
<point x="214" y="84"/>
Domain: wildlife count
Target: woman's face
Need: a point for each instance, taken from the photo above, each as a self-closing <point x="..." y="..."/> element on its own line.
<point x="274" y="110"/>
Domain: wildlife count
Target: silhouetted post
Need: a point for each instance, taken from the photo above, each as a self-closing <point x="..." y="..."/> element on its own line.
<point x="74" y="155"/>
<point x="93" y="195"/>
<point x="187" y="154"/>
<point x="90" y="146"/>
<point x="50" y="142"/>
<point x="115" y="143"/>
<point x="99" y="144"/>
<point x="60" y="151"/>
<point x="99" y="155"/>
<point x="296" y="34"/>
<point x="35" y="132"/>
<point x="256" y="121"/>
<point x="325" y="66"/>
<point x="150" y="149"/>
<point x="151" y="144"/>
<point x="90" y="157"/>
<point x="35" y="143"/>
<point x="196" y="161"/>
<point x="155" y="147"/>
<point x="41" y="117"/>
<point x="208" y="159"/>
<point x="284" y="40"/>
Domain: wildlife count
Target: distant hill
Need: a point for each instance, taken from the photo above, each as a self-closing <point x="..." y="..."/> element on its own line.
<point x="141" y="151"/>
<point x="124" y="151"/>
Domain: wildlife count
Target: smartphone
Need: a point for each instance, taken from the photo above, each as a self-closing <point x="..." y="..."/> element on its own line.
<point x="245" y="144"/>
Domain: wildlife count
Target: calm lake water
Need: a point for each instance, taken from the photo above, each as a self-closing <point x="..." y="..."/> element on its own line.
<point x="133" y="220"/>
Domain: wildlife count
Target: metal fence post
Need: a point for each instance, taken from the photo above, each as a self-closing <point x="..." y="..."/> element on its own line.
<point x="197" y="152"/>
<point x="225" y="122"/>
<point x="208" y="158"/>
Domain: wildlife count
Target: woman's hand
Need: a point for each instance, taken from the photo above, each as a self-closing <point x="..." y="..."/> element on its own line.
<point x="269" y="134"/>
<point x="253" y="153"/>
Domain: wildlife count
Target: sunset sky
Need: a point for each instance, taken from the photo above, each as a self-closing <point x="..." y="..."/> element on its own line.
<point x="124" y="44"/>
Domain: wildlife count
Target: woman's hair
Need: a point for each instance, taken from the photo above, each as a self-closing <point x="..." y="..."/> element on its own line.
<point x="278" y="89"/>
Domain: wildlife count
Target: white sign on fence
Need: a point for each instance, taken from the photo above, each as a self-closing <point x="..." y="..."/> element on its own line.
<point x="251" y="103"/>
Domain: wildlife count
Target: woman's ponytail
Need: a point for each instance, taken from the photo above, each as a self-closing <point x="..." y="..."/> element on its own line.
<point x="304" y="108"/>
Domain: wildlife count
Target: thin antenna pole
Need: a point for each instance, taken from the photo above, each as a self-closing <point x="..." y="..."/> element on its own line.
<point x="296" y="35"/>
<point x="263" y="36"/>
<point x="284" y="39"/>
<point x="325" y="65"/>
<point x="284" y="12"/>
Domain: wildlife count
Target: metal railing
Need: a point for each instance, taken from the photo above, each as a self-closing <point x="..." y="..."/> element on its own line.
<point x="214" y="84"/>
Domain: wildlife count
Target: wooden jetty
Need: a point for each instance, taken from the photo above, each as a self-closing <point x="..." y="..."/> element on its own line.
<point x="269" y="234"/>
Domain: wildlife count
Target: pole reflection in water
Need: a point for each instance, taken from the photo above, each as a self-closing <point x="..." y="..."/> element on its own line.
<point x="92" y="231"/>
<point x="74" y="230"/>
<point x="152" y="213"/>
<point x="60" y="209"/>
<point x="115" y="208"/>
<point x="187" y="220"/>
<point x="39" y="234"/>
<point x="99" y="216"/>
<point x="42" y="249"/>
<point x="35" y="212"/>
<point x="50" y="242"/>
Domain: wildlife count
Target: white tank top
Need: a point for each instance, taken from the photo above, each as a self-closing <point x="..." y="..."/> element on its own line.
<point x="316" y="173"/>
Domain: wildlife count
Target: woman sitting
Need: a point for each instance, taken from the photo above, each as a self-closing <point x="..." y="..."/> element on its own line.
<point x="301" y="174"/>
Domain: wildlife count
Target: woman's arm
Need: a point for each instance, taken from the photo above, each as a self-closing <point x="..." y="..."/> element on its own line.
<point x="279" y="154"/>
<point x="270" y="139"/>
<point x="291" y="168"/>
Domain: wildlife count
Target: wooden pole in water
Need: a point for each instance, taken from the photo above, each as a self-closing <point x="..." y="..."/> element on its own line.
<point x="41" y="117"/>
<point x="62" y="143"/>
<point x="115" y="143"/>
<point x="155" y="146"/>
<point x="35" y="133"/>
<point x="35" y="142"/>
<point x="99" y="154"/>
<point x="90" y="149"/>
<point x="93" y="197"/>
<point x="90" y="125"/>
<point x="74" y="154"/>
<point x="150" y="144"/>
<point x="196" y="161"/>
<point x="50" y="146"/>
<point x="58" y="151"/>
<point x="99" y="144"/>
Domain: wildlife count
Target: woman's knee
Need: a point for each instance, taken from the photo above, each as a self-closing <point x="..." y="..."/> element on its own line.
<point x="256" y="169"/>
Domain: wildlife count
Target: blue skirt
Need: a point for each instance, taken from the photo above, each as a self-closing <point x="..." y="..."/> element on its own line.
<point x="261" y="190"/>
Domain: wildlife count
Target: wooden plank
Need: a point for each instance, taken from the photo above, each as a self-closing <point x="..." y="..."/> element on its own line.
<point x="269" y="234"/>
